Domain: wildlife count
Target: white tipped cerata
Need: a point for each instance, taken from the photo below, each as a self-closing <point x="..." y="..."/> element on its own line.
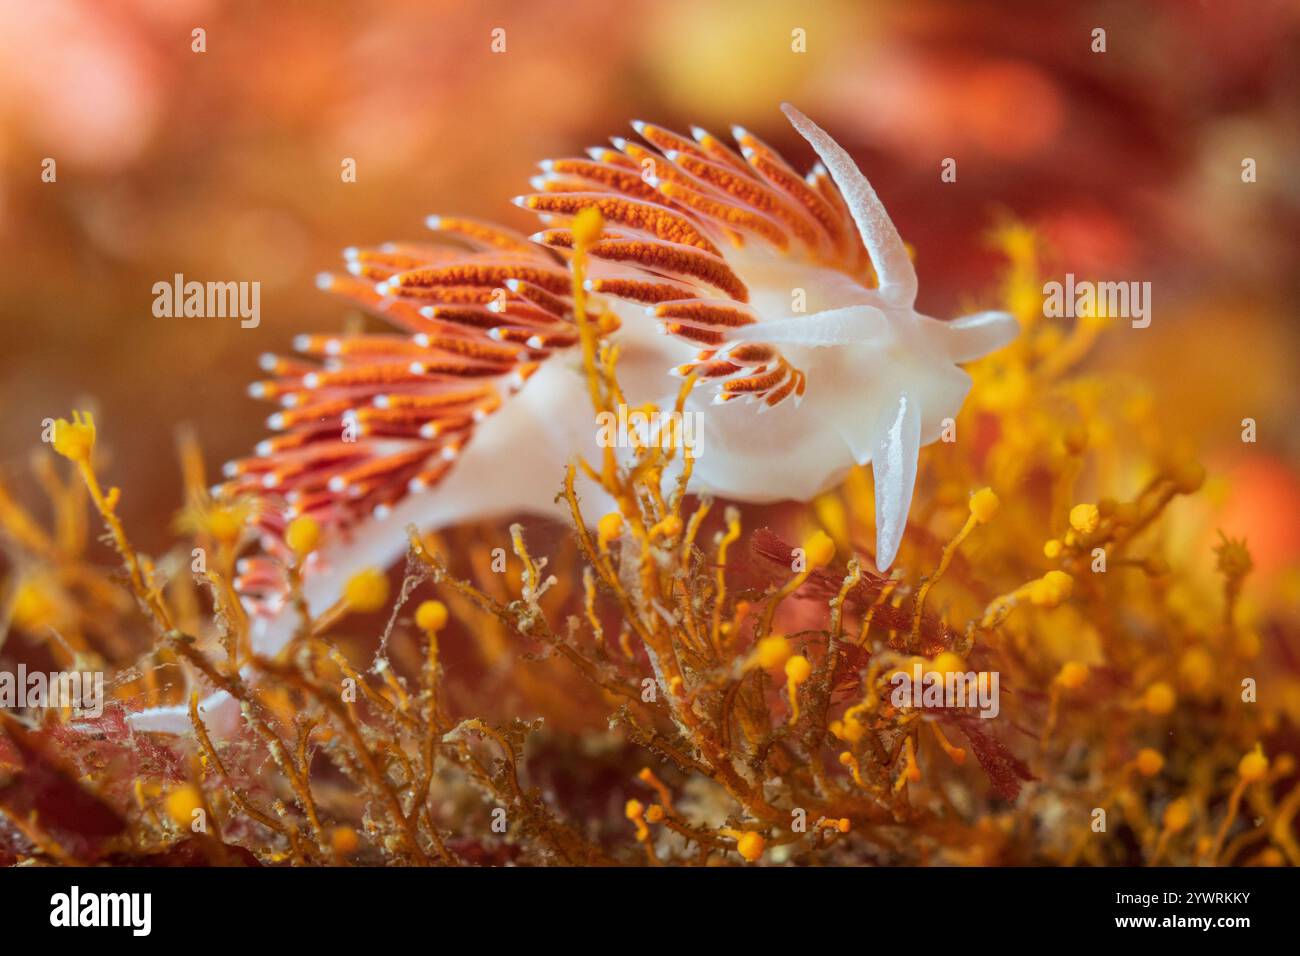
<point x="766" y="284"/>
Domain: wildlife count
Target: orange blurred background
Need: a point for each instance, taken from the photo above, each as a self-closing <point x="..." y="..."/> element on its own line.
<point x="225" y="165"/>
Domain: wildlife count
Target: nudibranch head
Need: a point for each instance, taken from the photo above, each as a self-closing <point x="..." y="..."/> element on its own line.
<point x="792" y="292"/>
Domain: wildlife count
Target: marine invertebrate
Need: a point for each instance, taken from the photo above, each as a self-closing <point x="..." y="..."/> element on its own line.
<point x="724" y="250"/>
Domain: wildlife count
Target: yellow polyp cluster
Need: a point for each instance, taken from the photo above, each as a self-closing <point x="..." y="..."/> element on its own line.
<point x="850" y="729"/>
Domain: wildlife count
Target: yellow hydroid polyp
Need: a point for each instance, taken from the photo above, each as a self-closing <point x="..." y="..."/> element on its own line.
<point x="431" y="616"/>
<point x="182" y="802"/>
<point x="1233" y="559"/>
<point x="984" y="505"/>
<point x="75" y="440"/>
<point x="751" y="846"/>
<point x="1253" y="766"/>
<point x="772" y="652"/>
<point x="1051" y="589"/>
<point x="36" y="602"/>
<point x="1159" y="699"/>
<point x="1072" y="675"/>
<point x="607" y="322"/>
<point x="1196" y="668"/>
<point x="302" y="535"/>
<point x="1085" y="518"/>
<point x="797" y="669"/>
<point x="819" y="549"/>
<point x="609" y="528"/>
<point x="224" y="525"/>
<point x="1149" y="762"/>
<point x="344" y="840"/>
<point x="634" y="810"/>
<point x="949" y="662"/>
<point x="669" y="528"/>
<point x="1177" y="815"/>
<point x="587" y="227"/>
<point x="366" y="591"/>
<point x="850" y="728"/>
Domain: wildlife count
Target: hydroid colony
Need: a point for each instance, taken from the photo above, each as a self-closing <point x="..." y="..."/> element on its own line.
<point x="672" y="687"/>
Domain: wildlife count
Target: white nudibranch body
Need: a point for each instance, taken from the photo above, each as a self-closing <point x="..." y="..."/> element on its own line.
<point x="721" y="249"/>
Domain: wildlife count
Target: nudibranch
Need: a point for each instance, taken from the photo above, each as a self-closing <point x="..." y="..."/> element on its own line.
<point x="474" y="404"/>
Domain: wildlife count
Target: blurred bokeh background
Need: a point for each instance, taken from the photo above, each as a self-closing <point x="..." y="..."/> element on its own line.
<point x="225" y="165"/>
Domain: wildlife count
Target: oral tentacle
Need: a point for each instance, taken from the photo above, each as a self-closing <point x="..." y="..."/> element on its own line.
<point x="974" y="336"/>
<point x="888" y="254"/>
<point x="893" y="466"/>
